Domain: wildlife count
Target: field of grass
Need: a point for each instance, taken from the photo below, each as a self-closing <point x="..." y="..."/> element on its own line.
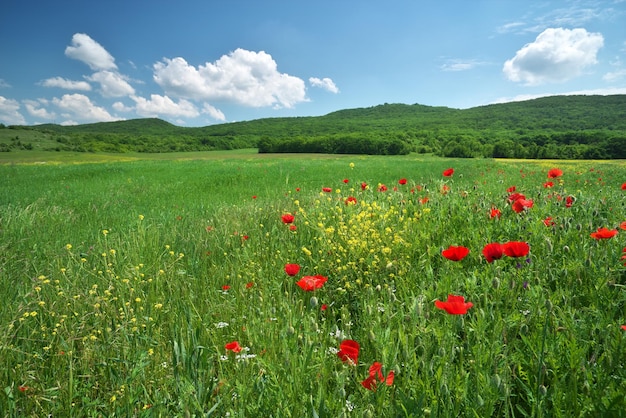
<point x="157" y="287"/>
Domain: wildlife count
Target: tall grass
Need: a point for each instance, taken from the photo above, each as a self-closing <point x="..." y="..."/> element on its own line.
<point x="123" y="282"/>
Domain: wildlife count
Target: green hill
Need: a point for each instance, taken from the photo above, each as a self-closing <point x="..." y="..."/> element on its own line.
<point x="549" y="127"/>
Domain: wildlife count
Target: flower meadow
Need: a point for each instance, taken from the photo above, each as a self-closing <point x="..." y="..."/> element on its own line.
<point x="327" y="286"/>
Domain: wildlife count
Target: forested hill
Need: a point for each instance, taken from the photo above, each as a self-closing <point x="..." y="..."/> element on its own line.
<point x="549" y="127"/>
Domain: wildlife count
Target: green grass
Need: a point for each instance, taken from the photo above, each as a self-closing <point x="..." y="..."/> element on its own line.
<point x="113" y="280"/>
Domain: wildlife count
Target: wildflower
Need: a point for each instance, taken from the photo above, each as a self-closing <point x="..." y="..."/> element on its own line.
<point x="346" y="181"/>
<point x="310" y="283"/>
<point x="225" y="288"/>
<point x="233" y="346"/>
<point x="548" y="221"/>
<point x="23" y="388"/>
<point x="515" y="249"/>
<point x="249" y="285"/>
<point x="449" y="172"/>
<point x="548" y="184"/>
<point x="376" y="375"/>
<point x="624" y="327"/>
<point x="382" y="188"/>
<point x="455" y="305"/>
<point x="569" y="201"/>
<point x="622" y="225"/>
<point x="515" y="196"/>
<point x="495" y="213"/>
<point x="351" y="165"/>
<point x="349" y="351"/>
<point x="604" y="233"/>
<point x="554" y="173"/>
<point x="351" y="200"/>
<point x="623" y="186"/>
<point x="511" y="189"/>
<point x="402" y="181"/>
<point x="327" y="189"/>
<point x="493" y="251"/>
<point x="520" y="204"/>
<point x="455" y="253"/>
<point x="292" y="227"/>
<point x="292" y="269"/>
<point x="288" y="218"/>
<point x="363" y="186"/>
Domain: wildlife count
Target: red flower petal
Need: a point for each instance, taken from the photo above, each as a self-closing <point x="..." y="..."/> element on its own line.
<point x="349" y="351"/>
<point x="455" y="253"/>
<point x="455" y="305"/>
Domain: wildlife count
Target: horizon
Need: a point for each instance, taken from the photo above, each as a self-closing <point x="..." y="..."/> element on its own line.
<point x="200" y="63"/>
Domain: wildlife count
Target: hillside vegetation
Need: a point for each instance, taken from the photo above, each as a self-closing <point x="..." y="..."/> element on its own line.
<point x="573" y="127"/>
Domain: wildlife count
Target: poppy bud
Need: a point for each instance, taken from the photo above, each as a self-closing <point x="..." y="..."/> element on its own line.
<point x="523" y="329"/>
<point x="291" y="330"/>
<point x="543" y="390"/>
<point x="313" y="302"/>
<point x="566" y="248"/>
<point x="497" y="381"/>
<point x="372" y="336"/>
<point x="495" y="283"/>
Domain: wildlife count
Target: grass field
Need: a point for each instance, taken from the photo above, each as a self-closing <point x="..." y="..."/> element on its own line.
<point x="156" y="286"/>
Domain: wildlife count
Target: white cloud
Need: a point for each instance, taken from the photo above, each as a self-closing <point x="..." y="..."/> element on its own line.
<point x="615" y="75"/>
<point x="557" y="54"/>
<point x="324" y="83"/>
<point x="112" y="84"/>
<point x="9" y="112"/>
<point x="159" y="105"/>
<point x="34" y="108"/>
<point x="80" y="107"/>
<point x="213" y="112"/>
<point x="245" y="77"/>
<point x="4" y="84"/>
<point x="460" y="65"/>
<point x="64" y="83"/>
<point x="90" y="52"/>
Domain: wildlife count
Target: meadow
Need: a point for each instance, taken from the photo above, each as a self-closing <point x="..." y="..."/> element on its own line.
<point x="237" y="284"/>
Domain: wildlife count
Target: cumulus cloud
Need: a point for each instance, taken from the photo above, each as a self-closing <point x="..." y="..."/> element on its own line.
<point x="213" y="112"/>
<point x="244" y="77"/>
<point x="324" y="83"/>
<point x="557" y="54"/>
<point x="9" y="112"/>
<point x="90" y="52"/>
<point x="112" y="84"/>
<point x="80" y="107"/>
<point x="159" y="105"/>
<point x="35" y="108"/>
<point x="64" y="83"/>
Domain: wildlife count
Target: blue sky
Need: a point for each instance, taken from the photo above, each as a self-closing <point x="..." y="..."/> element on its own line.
<point x="202" y="62"/>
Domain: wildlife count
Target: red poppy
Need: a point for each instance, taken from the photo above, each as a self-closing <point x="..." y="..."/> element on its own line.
<point x="548" y="221"/>
<point x="402" y="182"/>
<point x="495" y="213"/>
<point x="292" y="269"/>
<point x="249" y="285"/>
<point x="346" y="181"/>
<point x="455" y="305"/>
<point x="455" y="253"/>
<point x="624" y="327"/>
<point x="233" y="346"/>
<point x="382" y="188"/>
<point x="23" y="388"/>
<point x="604" y="233"/>
<point x="448" y="173"/>
<point x="324" y="307"/>
<point x="548" y="184"/>
<point x="520" y="204"/>
<point x="554" y="173"/>
<point x="349" y="351"/>
<point x="516" y="249"/>
<point x="493" y="251"/>
<point x="226" y="288"/>
<point x="292" y="227"/>
<point x="254" y="197"/>
<point x="363" y="186"/>
<point x="515" y="196"/>
<point x="288" y="218"/>
<point x="376" y="375"/>
<point x="623" y="225"/>
<point x="511" y="189"/>
<point x="569" y="201"/>
<point x="623" y="186"/>
<point x="327" y="189"/>
<point x="423" y="200"/>
<point x="310" y="283"/>
<point x="351" y="200"/>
